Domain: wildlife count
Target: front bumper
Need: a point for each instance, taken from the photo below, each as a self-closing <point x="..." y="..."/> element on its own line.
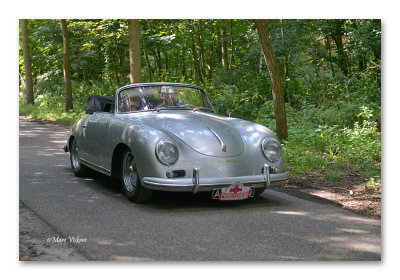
<point x="203" y="184"/>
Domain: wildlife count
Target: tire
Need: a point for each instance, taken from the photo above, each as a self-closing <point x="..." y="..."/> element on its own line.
<point x="78" y="168"/>
<point x="257" y="192"/>
<point x="130" y="179"/>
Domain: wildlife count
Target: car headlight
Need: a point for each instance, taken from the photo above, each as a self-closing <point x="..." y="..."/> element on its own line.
<point x="167" y="153"/>
<point x="271" y="149"/>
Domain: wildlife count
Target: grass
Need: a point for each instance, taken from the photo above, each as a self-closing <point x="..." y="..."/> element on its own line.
<point x="57" y="116"/>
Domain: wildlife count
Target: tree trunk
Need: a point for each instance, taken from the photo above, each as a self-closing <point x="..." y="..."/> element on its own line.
<point x="177" y="62"/>
<point x="166" y="63"/>
<point x="285" y="68"/>
<point x="342" y="55"/>
<point x="337" y="36"/>
<point x="202" y="58"/>
<point x="211" y="54"/>
<point x="232" y="44"/>
<point x="27" y="63"/>
<point x="157" y="55"/>
<point x="122" y="56"/>
<point x="148" y="65"/>
<point x="329" y="47"/>
<point x="260" y="62"/>
<point x="224" y="49"/>
<point x="197" y="73"/>
<point x="184" y="68"/>
<point x="285" y="77"/>
<point x="273" y="69"/>
<point x="135" y="66"/>
<point x="66" y="66"/>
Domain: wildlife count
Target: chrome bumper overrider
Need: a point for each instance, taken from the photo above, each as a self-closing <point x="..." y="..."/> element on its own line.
<point x="202" y="184"/>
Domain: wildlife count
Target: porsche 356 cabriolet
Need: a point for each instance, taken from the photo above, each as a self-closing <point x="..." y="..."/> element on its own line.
<point x="168" y="137"/>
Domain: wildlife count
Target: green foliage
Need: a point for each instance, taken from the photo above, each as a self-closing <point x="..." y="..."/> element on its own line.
<point x="50" y="101"/>
<point x="332" y="81"/>
<point x="335" y="150"/>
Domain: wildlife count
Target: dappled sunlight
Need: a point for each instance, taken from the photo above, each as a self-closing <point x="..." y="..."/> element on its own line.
<point x="129" y="259"/>
<point x="250" y="129"/>
<point x="277" y="215"/>
<point x="29" y="134"/>
<point x="59" y="141"/>
<point x="252" y="137"/>
<point x="289" y="258"/>
<point x="174" y="115"/>
<point x="352" y="219"/>
<point x="364" y="244"/>
<point x="351" y="230"/>
<point x="292" y="213"/>
<point x="44" y="154"/>
<point x="112" y="242"/>
<point x="53" y="149"/>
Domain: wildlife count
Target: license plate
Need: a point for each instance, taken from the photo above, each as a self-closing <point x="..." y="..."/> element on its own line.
<point x="236" y="191"/>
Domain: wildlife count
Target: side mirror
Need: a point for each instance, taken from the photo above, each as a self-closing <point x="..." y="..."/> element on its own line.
<point x="229" y="112"/>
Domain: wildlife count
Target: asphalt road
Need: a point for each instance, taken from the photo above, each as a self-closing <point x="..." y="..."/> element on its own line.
<point x="94" y="216"/>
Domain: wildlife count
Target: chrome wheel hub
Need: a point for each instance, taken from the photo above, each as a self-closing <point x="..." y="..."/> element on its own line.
<point x="129" y="173"/>
<point x="74" y="155"/>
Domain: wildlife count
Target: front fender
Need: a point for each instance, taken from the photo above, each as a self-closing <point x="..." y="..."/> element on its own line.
<point x="141" y="140"/>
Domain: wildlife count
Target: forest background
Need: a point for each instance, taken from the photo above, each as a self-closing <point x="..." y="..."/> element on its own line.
<point x="330" y="72"/>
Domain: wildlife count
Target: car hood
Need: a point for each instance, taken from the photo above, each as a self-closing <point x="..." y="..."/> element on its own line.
<point x="206" y="133"/>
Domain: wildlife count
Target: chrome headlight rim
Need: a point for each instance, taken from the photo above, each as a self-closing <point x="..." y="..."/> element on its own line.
<point x="272" y="155"/>
<point x="166" y="159"/>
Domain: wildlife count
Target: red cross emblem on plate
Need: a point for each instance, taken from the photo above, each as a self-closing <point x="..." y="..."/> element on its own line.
<point x="236" y="189"/>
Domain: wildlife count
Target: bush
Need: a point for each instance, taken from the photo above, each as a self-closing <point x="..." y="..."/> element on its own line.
<point x="328" y="147"/>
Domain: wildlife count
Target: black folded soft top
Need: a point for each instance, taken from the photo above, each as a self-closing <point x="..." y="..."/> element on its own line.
<point x="99" y="104"/>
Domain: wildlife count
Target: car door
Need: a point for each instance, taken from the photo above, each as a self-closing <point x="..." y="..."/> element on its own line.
<point x="96" y="138"/>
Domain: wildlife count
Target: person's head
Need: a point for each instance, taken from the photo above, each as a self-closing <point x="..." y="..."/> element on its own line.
<point x="168" y="95"/>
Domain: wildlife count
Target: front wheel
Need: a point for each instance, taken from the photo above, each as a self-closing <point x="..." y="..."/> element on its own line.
<point x="130" y="180"/>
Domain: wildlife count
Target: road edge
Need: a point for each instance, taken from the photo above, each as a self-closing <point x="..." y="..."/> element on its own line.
<point x="38" y="240"/>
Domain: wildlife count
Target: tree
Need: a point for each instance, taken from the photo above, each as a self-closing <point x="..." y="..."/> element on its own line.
<point x="66" y="66"/>
<point x="134" y="51"/>
<point x="196" y="62"/>
<point x="211" y="53"/>
<point x="275" y="76"/>
<point x="27" y="63"/>
<point x="337" y="34"/>
<point x="224" y="47"/>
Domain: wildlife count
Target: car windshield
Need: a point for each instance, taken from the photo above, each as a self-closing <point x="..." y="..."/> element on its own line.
<point x="160" y="97"/>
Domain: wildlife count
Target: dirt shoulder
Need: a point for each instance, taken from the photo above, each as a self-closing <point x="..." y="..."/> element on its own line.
<point x="40" y="242"/>
<point x="348" y="193"/>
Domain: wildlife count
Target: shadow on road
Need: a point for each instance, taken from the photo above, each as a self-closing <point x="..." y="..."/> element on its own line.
<point x="179" y="201"/>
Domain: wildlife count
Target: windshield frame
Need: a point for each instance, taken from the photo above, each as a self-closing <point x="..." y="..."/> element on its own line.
<point x="117" y="95"/>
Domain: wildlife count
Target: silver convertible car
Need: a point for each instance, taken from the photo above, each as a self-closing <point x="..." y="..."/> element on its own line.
<point x="167" y="137"/>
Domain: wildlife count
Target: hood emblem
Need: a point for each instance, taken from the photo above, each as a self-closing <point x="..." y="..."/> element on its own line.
<point x="223" y="146"/>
